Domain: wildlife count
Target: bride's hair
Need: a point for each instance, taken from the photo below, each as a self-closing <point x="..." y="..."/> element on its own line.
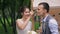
<point x="23" y="8"/>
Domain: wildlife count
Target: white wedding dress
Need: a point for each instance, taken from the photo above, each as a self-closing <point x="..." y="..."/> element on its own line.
<point x="27" y="28"/>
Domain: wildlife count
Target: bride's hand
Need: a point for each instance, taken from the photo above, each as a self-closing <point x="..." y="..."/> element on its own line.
<point x="31" y="13"/>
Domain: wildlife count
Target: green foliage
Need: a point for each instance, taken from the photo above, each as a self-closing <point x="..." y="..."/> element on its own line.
<point x="37" y="25"/>
<point x="9" y="13"/>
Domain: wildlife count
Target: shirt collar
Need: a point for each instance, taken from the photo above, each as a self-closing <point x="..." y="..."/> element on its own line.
<point x="45" y="18"/>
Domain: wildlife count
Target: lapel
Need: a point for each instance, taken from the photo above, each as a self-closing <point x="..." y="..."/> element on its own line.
<point x="45" y="27"/>
<point x="45" y="23"/>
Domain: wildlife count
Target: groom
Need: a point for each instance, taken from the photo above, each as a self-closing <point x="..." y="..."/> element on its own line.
<point x="49" y="24"/>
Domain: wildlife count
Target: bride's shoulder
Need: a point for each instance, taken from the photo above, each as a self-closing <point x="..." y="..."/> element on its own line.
<point x="18" y="20"/>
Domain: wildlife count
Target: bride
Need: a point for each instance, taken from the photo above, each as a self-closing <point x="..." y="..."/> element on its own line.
<point x="24" y="24"/>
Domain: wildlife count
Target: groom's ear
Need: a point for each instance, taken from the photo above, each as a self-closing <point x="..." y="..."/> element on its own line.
<point x="45" y="10"/>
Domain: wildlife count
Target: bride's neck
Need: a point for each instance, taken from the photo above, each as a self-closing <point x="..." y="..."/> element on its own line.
<point x="24" y="19"/>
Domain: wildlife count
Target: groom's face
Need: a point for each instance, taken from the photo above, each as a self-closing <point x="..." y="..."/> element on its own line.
<point x="40" y="10"/>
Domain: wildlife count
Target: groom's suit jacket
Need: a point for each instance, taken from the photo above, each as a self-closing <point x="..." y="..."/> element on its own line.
<point x="49" y="26"/>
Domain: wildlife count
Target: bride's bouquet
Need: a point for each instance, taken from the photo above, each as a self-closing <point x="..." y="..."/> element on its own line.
<point x="31" y="32"/>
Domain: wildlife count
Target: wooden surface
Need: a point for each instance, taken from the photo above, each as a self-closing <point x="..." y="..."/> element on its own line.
<point x="55" y="12"/>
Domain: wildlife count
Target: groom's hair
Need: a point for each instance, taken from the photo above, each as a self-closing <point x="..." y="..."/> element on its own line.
<point x="46" y="6"/>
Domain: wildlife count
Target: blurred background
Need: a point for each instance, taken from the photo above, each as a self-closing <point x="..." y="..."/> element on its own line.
<point x="9" y="13"/>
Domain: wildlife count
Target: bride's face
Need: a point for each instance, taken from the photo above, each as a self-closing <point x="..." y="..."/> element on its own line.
<point x="26" y="13"/>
